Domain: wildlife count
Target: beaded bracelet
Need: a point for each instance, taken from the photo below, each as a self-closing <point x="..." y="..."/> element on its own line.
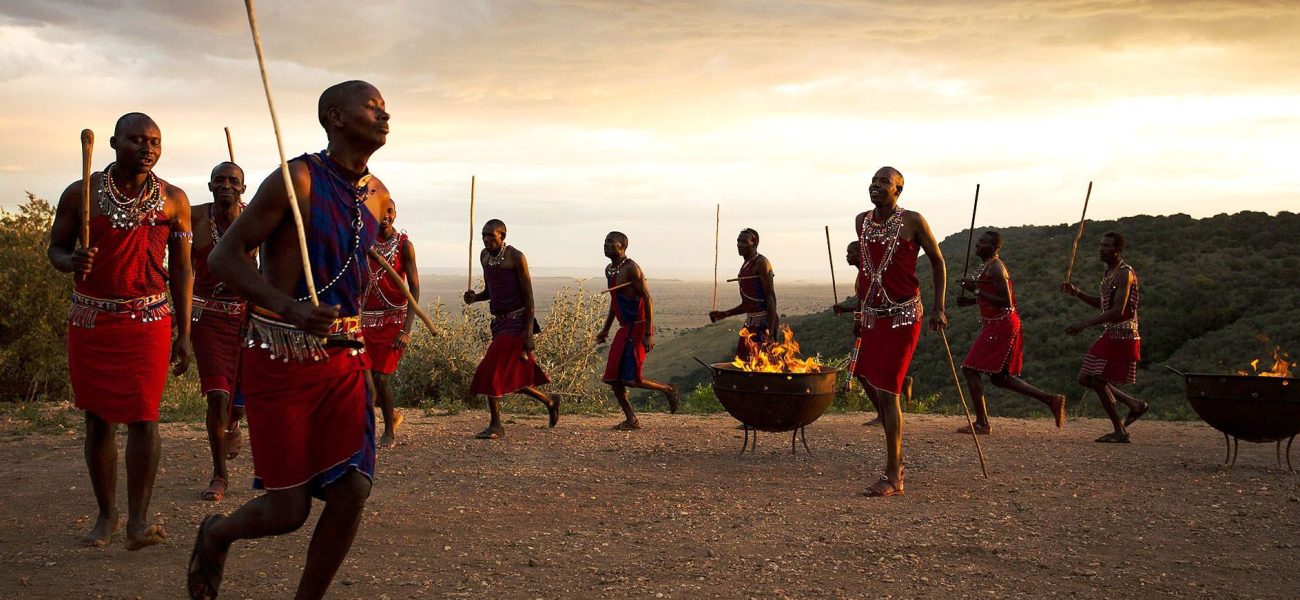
<point x="184" y="235"/>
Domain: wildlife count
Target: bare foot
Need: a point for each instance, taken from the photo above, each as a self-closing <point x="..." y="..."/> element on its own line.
<point x="982" y="429"/>
<point x="206" y="564"/>
<point x="553" y="411"/>
<point x="1114" y="437"/>
<point x="141" y="536"/>
<point x="388" y="441"/>
<point x="1136" y="414"/>
<point x="492" y="432"/>
<point x="628" y="425"/>
<point x="102" y="532"/>
<point x="674" y="397"/>
<point x="874" y="422"/>
<point x="1058" y="410"/>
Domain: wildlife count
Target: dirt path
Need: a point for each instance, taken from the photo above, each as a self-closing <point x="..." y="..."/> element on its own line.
<point x="673" y="512"/>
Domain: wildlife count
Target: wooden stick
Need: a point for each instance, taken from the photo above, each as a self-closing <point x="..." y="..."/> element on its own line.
<point x="742" y="278"/>
<point x="962" y="396"/>
<point x="87" y="149"/>
<point x="406" y="291"/>
<point x="230" y="146"/>
<point x="469" y="276"/>
<point x="284" y="163"/>
<point x="970" y="237"/>
<point x="1078" y="235"/>
<point x="831" y="257"/>
<point x="621" y="285"/>
<point x="717" y="226"/>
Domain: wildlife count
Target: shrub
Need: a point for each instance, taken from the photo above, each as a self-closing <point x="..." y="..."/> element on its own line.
<point x="33" y="307"/>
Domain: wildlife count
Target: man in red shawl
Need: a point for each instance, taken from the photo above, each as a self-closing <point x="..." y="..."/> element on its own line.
<point x="1113" y="358"/>
<point x="853" y="256"/>
<point x="219" y="316"/>
<point x="633" y="307"/>
<point x="999" y="348"/>
<point x="386" y="318"/>
<point x="757" y="297"/>
<point x="509" y="365"/>
<point x="889" y="240"/>
<point x="303" y="371"/>
<point x="120" y="324"/>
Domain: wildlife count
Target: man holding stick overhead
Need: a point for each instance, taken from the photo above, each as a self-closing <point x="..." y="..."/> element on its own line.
<point x="387" y="317"/>
<point x="1113" y="358"/>
<point x="889" y="240"/>
<point x="629" y="302"/>
<point x="304" y="374"/>
<point x="999" y="348"/>
<point x="120" y="323"/>
<point x="219" y="315"/>
<point x="509" y="365"/>
<point x="757" y="296"/>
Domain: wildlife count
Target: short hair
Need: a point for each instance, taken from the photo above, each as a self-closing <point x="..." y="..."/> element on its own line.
<point x="495" y="224"/>
<point x="1116" y="238"/>
<point x="854" y="244"/>
<point x="896" y="172"/>
<point x="619" y="237"/>
<point x="750" y="232"/>
<point x="129" y="118"/>
<point x="994" y="237"/>
<point x="223" y="164"/>
<point x="333" y="97"/>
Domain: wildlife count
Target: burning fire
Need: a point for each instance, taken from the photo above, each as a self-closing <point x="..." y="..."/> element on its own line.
<point x="775" y="357"/>
<point x="1281" y="368"/>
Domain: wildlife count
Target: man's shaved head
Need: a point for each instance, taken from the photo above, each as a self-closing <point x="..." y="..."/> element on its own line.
<point x="130" y="119"/>
<point x="619" y="237"/>
<point x="892" y="172"/>
<point x="336" y="96"/>
<point x="495" y="224"/>
<point x="223" y="165"/>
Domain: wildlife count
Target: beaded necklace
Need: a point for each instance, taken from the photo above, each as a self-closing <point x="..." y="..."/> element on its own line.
<point x="979" y="273"/>
<point x="388" y="250"/>
<point x="1108" y="284"/>
<point x="495" y="260"/>
<point x="612" y="270"/>
<point x="880" y="233"/>
<point x="124" y="212"/>
<point x="360" y="192"/>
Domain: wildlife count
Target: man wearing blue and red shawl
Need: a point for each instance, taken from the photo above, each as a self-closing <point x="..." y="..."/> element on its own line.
<point x="120" y="324"/>
<point x="631" y="304"/>
<point x="757" y="297"/>
<point x="303" y="371"/>
<point x="509" y="365"/>
<point x="889" y="242"/>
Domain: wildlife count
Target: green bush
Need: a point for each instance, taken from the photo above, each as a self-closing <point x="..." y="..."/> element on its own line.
<point x="33" y="308"/>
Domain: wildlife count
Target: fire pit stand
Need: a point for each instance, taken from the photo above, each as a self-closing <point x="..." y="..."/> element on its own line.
<point x="1247" y="407"/>
<point x="773" y="402"/>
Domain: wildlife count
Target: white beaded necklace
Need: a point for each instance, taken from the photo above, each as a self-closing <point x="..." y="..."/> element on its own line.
<point x="124" y="212"/>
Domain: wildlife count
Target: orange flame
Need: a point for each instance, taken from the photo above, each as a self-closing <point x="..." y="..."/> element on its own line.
<point x="775" y="357"/>
<point x="1281" y="366"/>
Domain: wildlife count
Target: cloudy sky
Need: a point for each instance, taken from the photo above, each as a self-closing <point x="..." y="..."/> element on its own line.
<point x="583" y="116"/>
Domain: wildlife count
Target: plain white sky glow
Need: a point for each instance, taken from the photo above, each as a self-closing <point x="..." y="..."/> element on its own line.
<point x="583" y="116"/>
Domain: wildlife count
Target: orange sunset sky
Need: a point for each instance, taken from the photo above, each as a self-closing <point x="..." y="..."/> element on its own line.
<point x="579" y="117"/>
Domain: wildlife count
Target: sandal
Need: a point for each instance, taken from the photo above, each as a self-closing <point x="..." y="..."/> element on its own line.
<point x="980" y="429"/>
<point x="216" y="491"/>
<point x="1113" y="437"/>
<point x="884" y="487"/>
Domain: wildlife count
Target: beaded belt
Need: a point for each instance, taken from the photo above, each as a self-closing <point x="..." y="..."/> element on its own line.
<point x="756" y="319"/>
<point x="201" y="304"/>
<point x="1002" y="317"/>
<point x="905" y="313"/>
<point x="267" y="331"/>
<point x="1124" y="330"/>
<point x="148" y="309"/>
<point x="387" y="316"/>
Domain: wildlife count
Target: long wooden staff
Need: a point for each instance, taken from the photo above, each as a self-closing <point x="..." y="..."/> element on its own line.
<point x="962" y="396"/>
<point x="230" y="146"/>
<point x="469" y="275"/>
<point x="1079" y="234"/>
<point x="87" y="148"/>
<point x="284" y="163"/>
<point x="831" y="258"/>
<point x="406" y="291"/>
<point x="717" y="226"/>
<point x="970" y="237"/>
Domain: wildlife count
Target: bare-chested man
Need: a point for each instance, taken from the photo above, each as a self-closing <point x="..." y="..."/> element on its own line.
<point x="1113" y="358"/>
<point x="386" y="316"/>
<point x="120" y="326"/>
<point x="999" y="347"/>
<point x="509" y="365"/>
<point x="219" y="315"/>
<point x="633" y="306"/>
<point x="310" y="421"/>
<point x="890" y="239"/>
<point x="757" y="297"/>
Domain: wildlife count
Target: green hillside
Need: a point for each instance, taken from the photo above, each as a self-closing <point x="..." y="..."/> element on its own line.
<point x="1216" y="293"/>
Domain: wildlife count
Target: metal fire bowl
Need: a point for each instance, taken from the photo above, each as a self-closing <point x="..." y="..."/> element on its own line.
<point x="773" y="402"/>
<point x="1255" y="409"/>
